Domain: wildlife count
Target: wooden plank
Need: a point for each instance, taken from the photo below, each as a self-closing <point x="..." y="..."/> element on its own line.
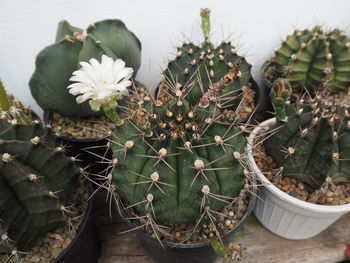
<point x="263" y="246"/>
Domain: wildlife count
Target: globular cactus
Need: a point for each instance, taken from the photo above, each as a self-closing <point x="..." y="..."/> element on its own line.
<point x="201" y="70"/>
<point x="174" y="162"/>
<point x="313" y="59"/>
<point x="36" y="182"/>
<point x="312" y="142"/>
<point x="56" y="63"/>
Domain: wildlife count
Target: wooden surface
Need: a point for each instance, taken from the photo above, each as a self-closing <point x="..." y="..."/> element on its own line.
<point x="262" y="245"/>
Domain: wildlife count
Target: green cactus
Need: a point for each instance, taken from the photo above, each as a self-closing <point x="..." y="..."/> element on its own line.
<point x="36" y="182"/>
<point x="56" y="63"/>
<point x="173" y="160"/>
<point x="313" y="142"/>
<point x="313" y="59"/>
<point x="218" y="68"/>
<point x="280" y="94"/>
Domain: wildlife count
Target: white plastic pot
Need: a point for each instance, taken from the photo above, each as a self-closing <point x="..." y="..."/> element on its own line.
<point x="283" y="214"/>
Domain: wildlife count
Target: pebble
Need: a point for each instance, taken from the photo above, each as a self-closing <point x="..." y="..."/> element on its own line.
<point x="55" y="252"/>
<point x="248" y="104"/>
<point x="35" y="258"/>
<point x="329" y="195"/>
<point x="81" y="128"/>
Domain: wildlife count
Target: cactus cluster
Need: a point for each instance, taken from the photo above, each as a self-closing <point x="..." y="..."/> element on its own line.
<point x="36" y="182"/>
<point x="311" y="139"/>
<point x="56" y="63"/>
<point x="175" y="162"/>
<point x="313" y="59"/>
<point x="219" y="66"/>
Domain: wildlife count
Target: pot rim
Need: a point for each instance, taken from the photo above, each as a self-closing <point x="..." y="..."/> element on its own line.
<point x="82" y="225"/>
<point x="279" y="193"/>
<point x="168" y="244"/>
<point x="263" y="68"/>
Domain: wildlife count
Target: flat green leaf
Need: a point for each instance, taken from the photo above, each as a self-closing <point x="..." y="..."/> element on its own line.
<point x="54" y="67"/>
<point x="64" y="28"/>
<point x="115" y="37"/>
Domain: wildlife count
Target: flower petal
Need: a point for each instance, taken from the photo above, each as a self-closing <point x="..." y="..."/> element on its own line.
<point x="101" y="83"/>
<point x="80" y="99"/>
<point x="118" y="66"/>
<point x="107" y="68"/>
<point x="125" y="73"/>
<point x="86" y="66"/>
<point x="76" y="88"/>
<point x="103" y="94"/>
<point x="82" y="77"/>
<point x="123" y="86"/>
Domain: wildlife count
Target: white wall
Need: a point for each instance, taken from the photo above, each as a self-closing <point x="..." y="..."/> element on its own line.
<point x="27" y="26"/>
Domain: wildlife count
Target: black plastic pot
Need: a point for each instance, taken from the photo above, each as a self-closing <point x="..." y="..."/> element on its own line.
<point x="263" y="69"/>
<point x="266" y="86"/>
<point x="262" y="100"/>
<point x="86" y="247"/>
<point x="93" y="153"/>
<point x="183" y="253"/>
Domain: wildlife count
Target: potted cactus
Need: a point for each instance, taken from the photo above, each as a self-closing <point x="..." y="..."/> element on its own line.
<point x="178" y="170"/>
<point x="44" y="213"/>
<point x="214" y="65"/>
<point x="313" y="59"/>
<point x="79" y="125"/>
<point x="302" y="157"/>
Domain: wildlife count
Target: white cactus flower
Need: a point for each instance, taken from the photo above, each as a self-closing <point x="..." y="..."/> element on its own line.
<point x="101" y="83"/>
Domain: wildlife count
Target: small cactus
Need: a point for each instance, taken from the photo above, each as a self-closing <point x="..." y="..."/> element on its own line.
<point x="311" y="142"/>
<point x="280" y="94"/>
<point x="204" y="70"/>
<point x="56" y="63"/>
<point x="313" y="59"/>
<point x="36" y="182"/>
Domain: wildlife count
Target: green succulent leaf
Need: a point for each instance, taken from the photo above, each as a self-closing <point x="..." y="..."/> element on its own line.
<point x="64" y="29"/>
